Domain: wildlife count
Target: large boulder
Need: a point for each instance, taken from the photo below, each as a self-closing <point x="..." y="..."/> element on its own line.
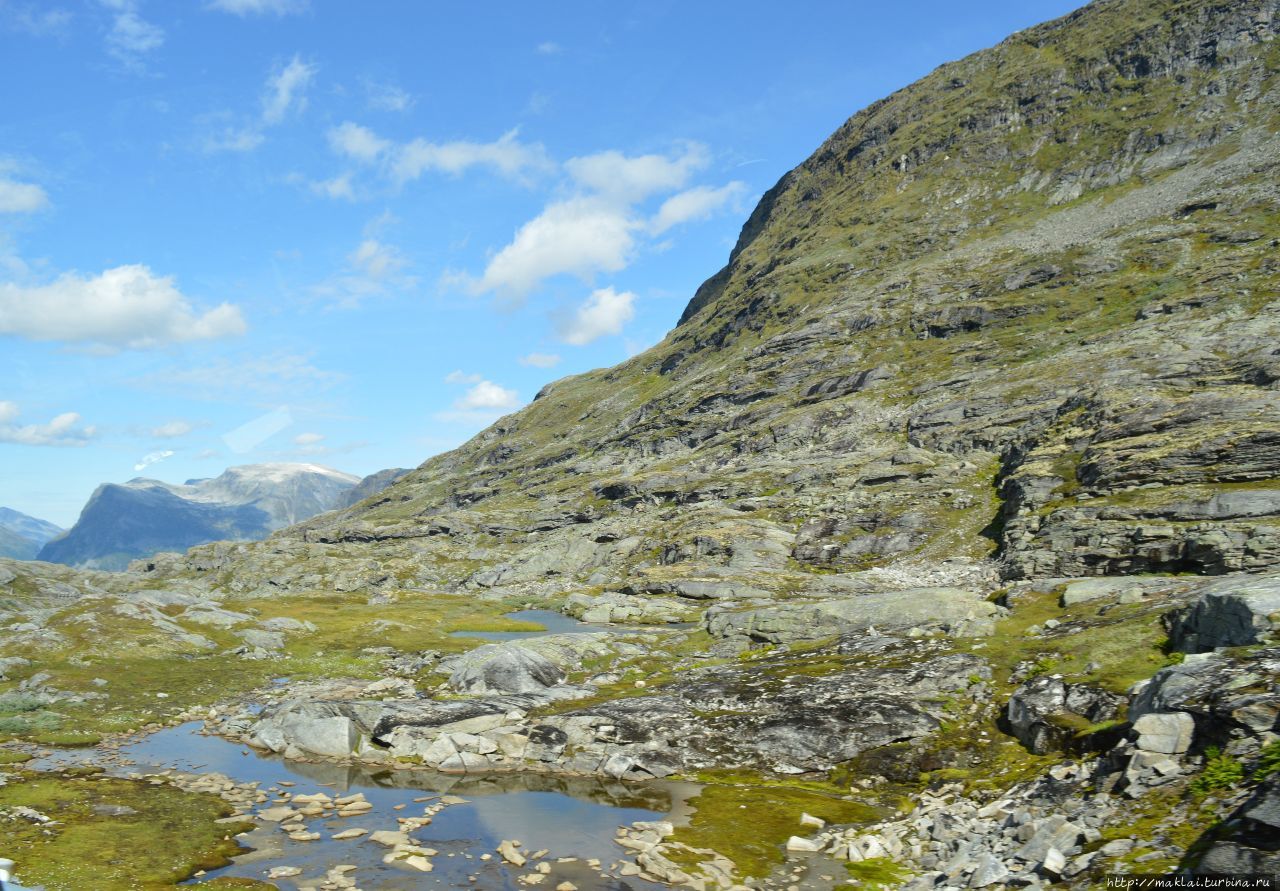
<point x="1230" y="613"/>
<point x="1043" y="710"/>
<point x="504" y="668"/>
<point x="953" y="610"/>
<point x="311" y="729"/>
<point x="1253" y="847"/>
<point x="1169" y="733"/>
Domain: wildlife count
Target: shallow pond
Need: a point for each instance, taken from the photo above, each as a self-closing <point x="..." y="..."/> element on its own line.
<point x="570" y="817"/>
<point x="551" y="621"/>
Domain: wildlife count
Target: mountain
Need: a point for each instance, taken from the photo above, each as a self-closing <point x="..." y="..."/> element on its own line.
<point x="1020" y="313"/>
<point x="21" y="536"/>
<point x="371" y="485"/>
<point x="122" y="522"/>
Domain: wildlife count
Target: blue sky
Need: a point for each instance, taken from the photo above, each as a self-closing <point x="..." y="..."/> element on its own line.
<point x="235" y="231"/>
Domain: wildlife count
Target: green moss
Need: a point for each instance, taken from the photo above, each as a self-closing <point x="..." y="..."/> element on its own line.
<point x="748" y="818"/>
<point x="170" y="835"/>
<point x="66" y="739"/>
<point x="7" y="757"/>
<point x="878" y="872"/>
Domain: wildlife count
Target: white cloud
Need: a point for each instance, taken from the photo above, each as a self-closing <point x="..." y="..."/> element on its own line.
<point x="507" y="155"/>
<point x="483" y="402"/>
<point x="373" y="269"/>
<point x="540" y="360"/>
<point x="605" y="312"/>
<point x="308" y="439"/>
<point x="16" y="197"/>
<point x="549" y="48"/>
<point x="131" y="37"/>
<point x="581" y="236"/>
<point x="633" y="179"/>
<point x="597" y="230"/>
<point x="486" y="395"/>
<point x="698" y="203"/>
<point x="338" y="187"/>
<point x="172" y="429"/>
<point x="387" y="97"/>
<point x="376" y="260"/>
<point x="285" y="90"/>
<point x="354" y="141"/>
<point x="259" y="7"/>
<point x="128" y="307"/>
<point x="64" y="430"/>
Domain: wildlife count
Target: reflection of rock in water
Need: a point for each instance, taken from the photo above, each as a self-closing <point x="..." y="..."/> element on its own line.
<point x="598" y="790"/>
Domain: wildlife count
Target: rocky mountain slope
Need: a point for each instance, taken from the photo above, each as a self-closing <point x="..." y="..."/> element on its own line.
<point x="1020" y="312"/>
<point x="941" y="537"/>
<point x="122" y="522"/>
<point x="22" y="536"/>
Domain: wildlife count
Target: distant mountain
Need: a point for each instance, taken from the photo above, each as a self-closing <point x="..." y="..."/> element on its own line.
<point x="21" y="536"/>
<point x="372" y="485"/>
<point x="122" y="522"/>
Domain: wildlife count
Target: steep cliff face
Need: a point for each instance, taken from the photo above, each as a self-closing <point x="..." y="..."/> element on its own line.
<point x="1019" y="315"/>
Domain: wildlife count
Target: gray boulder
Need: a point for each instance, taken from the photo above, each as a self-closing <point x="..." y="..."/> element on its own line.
<point x="1231" y="613"/>
<point x="959" y="612"/>
<point x="1166" y="732"/>
<point x="504" y="668"/>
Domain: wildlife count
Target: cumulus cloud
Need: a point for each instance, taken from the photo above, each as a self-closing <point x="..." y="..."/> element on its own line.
<point x="172" y="429"/>
<point x="404" y="162"/>
<point x="581" y="236"/>
<point x="540" y="360"/>
<point x="354" y="141"/>
<point x="338" y="187"/>
<point x="598" y="230"/>
<point x="486" y="395"/>
<point x="128" y="307"/>
<point x="632" y="179"/>
<point x="63" y="430"/>
<point x="286" y="90"/>
<point x="245" y="8"/>
<point x="131" y="36"/>
<point x="506" y="155"/>
<point x="483" y="401"/>
<point x="698" y="203"/>
<point x="605" y="312"/>
<point x="16" y="197"/>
